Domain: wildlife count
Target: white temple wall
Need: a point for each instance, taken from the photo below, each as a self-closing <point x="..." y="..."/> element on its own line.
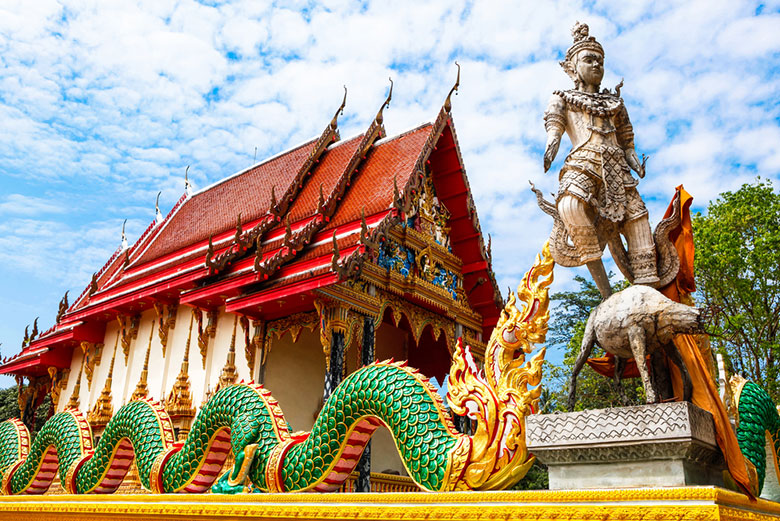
<point x="294" y="371"/>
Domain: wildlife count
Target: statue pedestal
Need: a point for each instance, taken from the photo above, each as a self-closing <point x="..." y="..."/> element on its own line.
<point x="659" y="445"/>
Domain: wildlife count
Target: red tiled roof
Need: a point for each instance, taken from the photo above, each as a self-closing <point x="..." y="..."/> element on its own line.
<point x="327" y="174"/>
<point x="215" y="209"/>
<point x="172" y="264"/>
<point x="372" y="188"/>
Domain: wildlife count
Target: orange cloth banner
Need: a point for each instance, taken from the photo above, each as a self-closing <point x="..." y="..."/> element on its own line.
<point x="705" y="393"/>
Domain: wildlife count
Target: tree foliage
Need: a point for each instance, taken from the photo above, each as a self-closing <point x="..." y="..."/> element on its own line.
<point x="9" y="408"/>
<point x="737" y="267"/>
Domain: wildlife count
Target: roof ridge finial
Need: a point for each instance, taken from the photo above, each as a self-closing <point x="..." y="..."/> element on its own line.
<point x="187" y="185"/>
<point x="158" y="216"/>
<point x="448" y="101"/>
<point x="334" y="123"/>
<point x="124" y="237"/>
<point x="379" y="116"/>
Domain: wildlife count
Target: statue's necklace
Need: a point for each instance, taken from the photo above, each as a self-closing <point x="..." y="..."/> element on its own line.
<point x="601" y="105"/>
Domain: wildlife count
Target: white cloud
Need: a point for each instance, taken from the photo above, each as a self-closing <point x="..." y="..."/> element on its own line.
<point x="18" y="204"/>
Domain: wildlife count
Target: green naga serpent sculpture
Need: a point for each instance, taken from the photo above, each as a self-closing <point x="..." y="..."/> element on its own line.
<point x="757" y="417"/>
<point x="246" y="420"/>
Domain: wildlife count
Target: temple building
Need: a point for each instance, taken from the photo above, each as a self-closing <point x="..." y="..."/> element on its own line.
<point x="292" y="273"/>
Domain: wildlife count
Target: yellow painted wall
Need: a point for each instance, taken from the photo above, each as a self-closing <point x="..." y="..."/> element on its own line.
<point x="391" y="342"/>
<point x="295" y="375"/>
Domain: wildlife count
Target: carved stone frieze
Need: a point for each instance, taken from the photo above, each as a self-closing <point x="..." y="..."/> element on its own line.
<point x="640" y="423"/>
<point x="648" y="445"/>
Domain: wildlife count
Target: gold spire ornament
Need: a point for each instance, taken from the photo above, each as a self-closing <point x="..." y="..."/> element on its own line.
<point x="103" y="409"/>
<point x="179" y="402"/>
<point x="229" y="374"/>
<point x="141" y="389"/>
<point x="74" y="401"/>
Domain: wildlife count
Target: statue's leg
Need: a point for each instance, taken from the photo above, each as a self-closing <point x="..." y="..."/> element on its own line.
<point x="641" y="246"/>
<point x="620" y="366"/>
<point x="573" y="211"/>
<point x="588" y="339"/>
<point x="638" y="340"/>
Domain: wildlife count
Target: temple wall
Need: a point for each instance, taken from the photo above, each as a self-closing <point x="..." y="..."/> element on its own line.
<point x="162" y="370"/>
<point x="295" y="375"/>
<point x="294" y="371"/>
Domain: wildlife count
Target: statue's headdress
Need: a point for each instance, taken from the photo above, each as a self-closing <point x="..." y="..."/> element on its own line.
<point x="581" y="41"/>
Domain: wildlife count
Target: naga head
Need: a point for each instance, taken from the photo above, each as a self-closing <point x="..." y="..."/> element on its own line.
<point x="498" y="397"/>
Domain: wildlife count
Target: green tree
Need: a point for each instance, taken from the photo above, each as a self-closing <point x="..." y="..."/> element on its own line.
<point x="9" y="408"/>
<point x="737" y="268"/>
<point x="567" y="326"/>
<point x="9" y="405"/>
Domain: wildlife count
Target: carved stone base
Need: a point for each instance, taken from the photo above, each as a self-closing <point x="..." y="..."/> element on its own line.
<point x="659" y="445"/>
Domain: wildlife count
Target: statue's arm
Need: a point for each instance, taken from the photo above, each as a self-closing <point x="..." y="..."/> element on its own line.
<point x="555" y="124"/>
<point x="625" y="136"/>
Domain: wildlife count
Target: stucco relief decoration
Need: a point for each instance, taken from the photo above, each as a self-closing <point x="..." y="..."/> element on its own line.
<point x="93" y="353"/>
<point x="205" y="332"/>
<point x="166" y="319"/>
<point x="128" y="326"/>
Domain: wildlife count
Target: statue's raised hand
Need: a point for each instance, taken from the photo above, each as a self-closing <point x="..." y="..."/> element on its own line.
<point x="552" y="150"/>
<point x="633" y="162"/>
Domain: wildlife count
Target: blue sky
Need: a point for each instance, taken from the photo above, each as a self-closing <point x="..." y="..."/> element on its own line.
<point x="102" y="105"/>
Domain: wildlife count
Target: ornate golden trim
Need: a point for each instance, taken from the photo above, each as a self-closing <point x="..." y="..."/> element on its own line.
<point x="204" y="334"/>
<point x="273" y="477"/>
<point x="693" y="503"/>
<point x="75" y="400"/>
<point x="93" y="353"/>
<point x="128" y="327"/>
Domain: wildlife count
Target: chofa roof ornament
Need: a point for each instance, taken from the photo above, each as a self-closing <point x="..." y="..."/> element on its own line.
<point x="454" y="89"/>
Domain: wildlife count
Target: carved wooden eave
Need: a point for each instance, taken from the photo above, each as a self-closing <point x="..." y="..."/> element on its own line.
<point x="293" y="243"/>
